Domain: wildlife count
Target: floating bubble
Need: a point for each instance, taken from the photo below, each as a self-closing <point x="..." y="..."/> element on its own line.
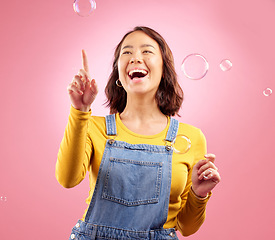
<point x="267" y="92"/>
<point x="3" y="199"/>
<point x="181" y="144"/>
<point x="84" y="7"/>
<point x="225" y="65"/>
<point x="194" y="66"/>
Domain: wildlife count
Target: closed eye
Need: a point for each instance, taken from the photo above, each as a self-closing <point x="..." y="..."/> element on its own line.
<point x="147" y="51"/>
<point x="126" y="52"/>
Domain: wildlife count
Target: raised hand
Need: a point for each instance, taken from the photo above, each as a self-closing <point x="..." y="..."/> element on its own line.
<point x="82" y="90"/>
<point x="205" y="176"/>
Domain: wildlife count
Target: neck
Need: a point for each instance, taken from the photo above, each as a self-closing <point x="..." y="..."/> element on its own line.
<point x="141" y="108"/>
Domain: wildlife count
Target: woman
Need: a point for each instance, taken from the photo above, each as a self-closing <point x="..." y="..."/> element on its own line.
<point x="139" y="188"/>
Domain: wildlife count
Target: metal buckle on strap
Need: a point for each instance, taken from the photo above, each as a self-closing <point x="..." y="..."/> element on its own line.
<point x="168" y="144"/>
<point x="111" y="139"/>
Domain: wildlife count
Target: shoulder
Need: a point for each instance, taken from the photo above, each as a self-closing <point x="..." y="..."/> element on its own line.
<point x="191" y="131"/>
<point x="198" y="141"/>
<point x="188" y="127"/>
<point x="97" y="123"/>
<point x="97" y="120"/>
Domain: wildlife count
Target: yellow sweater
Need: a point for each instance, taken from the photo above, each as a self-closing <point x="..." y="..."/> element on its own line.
<point x="82" y="148"/>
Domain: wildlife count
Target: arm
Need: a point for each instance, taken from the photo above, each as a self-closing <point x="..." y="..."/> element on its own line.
<point x="192" y="213"/>
<point x="76" y="147"/>
<point x="75" y="150"/>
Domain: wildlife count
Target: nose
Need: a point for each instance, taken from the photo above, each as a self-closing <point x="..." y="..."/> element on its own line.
<point x="136" y="59"/>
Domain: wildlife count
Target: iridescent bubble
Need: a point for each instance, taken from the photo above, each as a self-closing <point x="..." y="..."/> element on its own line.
<point x="3" y="199"/>
<point x="225" y="65"/>
<point x="267" y="92"/>
<point x="84" y="7"/>
<point x="195" y="66"/>
<point x="181" y="144"/>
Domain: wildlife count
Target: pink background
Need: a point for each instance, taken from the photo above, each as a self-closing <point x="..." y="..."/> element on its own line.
<point x="41" y="44"/>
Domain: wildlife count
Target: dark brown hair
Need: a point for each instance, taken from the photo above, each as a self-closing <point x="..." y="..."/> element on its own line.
<point x="169" y="95"/>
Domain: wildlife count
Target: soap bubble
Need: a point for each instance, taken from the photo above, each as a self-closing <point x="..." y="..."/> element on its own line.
<point x="195" y="66"/>
<point x="84" y="7"/>
<point x="267" y="92"/>
<point x="3" y="199"/>
<point x="225" y="65"/>
<point x="181" y="144"/>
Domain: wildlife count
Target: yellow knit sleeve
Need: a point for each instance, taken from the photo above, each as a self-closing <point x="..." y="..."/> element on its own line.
<point x="192" y="213"/>
<point x="75" y="150"/>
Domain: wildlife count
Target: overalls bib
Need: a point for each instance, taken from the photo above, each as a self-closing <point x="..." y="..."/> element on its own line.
<point x="132" y="191"/>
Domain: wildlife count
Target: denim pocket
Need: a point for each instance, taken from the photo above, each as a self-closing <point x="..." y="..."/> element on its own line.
<point x="132" y="182"/>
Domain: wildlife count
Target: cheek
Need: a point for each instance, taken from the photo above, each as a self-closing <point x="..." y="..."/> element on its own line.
<point x="158" y="67"/>
<point x="118" y="64"/>
<point x="156" y="62"/>
<point x="120" y="67"/>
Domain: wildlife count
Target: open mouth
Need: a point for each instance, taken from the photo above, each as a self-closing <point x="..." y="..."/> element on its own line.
<point x="137" y="73"/>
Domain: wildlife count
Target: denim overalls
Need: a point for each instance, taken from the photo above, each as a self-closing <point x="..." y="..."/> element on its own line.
<point x="132" y="191"/>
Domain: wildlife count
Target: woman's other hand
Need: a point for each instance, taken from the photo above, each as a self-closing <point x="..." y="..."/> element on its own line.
<point x="205" y="176"/>
<point x="82" y="89"/>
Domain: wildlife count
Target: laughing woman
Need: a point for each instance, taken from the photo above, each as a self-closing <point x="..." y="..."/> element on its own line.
<point x="139" y="187"/>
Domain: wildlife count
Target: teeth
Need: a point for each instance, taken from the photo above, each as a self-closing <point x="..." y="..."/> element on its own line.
<point x="137" y="70"/>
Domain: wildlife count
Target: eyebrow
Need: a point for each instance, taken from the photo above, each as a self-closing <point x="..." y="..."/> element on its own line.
<point x="143" y="45"/>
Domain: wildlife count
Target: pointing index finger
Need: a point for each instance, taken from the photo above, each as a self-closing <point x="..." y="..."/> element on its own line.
<point x="85" y="61"/>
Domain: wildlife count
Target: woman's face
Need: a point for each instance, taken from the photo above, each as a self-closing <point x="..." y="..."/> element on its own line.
<point x="140" y="64"/>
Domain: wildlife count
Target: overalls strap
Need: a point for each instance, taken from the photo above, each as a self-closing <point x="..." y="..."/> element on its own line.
<point x="111" y="125"/>
<point x="172" y="131"/>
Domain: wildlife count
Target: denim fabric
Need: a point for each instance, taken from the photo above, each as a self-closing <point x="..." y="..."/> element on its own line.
<point x="87" y="231"/>
<point x="144" y="173"/>
<point x="131" y="195"/>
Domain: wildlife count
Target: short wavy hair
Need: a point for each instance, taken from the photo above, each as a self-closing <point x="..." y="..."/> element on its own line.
<point x="169" y="95"/>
